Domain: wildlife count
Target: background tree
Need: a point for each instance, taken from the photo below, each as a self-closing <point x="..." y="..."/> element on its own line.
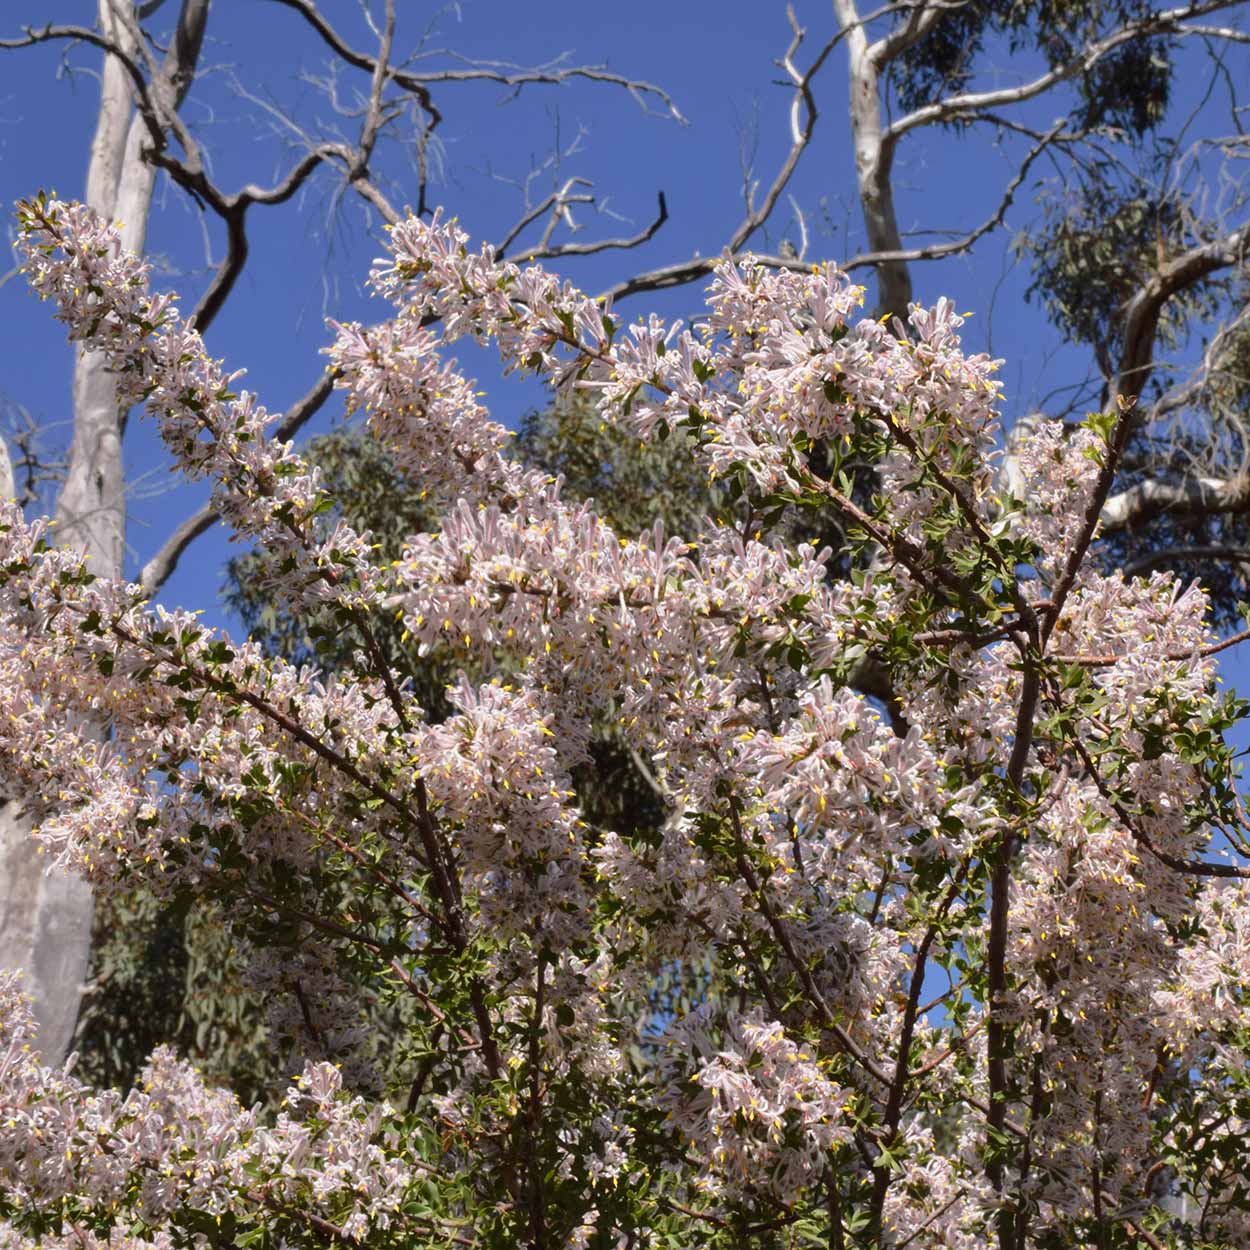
<point x="45" y="918"/>
<point x="163" y="971"/>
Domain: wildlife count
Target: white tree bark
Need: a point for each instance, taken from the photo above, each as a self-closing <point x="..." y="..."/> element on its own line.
<point x="8" y="487"/>
<point x="45" y="916"/>
<point x="874" y="158"/>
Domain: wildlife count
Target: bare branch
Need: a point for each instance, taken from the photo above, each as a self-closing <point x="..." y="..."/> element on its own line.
<point x="962" y="105"/>
<point x="502" y="72"/>
<point x="381" y="73"/>
<point x="934" y="251"/>
<point x="803" y="117"/>
<point x="920" y="21"/>
<point x="157" y="100"/>
<point x="410" y="82"/>
<point x="84" y="34"/>
<point x="233" y="210"/>
<point x="692" y="270"/>
<point x="600" y="245"/>
<point x="1226" y="34"/>
<point x="371" y="193"/>
<point x="1152" y="559"/>
<point x="1191" y="496"/>
<point x="1142" y="318"/>
<point x="553" y="74"/>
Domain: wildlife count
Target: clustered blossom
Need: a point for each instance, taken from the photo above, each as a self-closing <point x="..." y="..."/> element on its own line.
<point x="777" y="357"/>
<point x="261" y="487"/>
<point x="762" y="1114"/>
<point x="849" y="770"/>
<point x="82" y="649"/>
<point x="490" y="768"/>
<point x="173" y="1144"/>
<point x="426" y="413"/>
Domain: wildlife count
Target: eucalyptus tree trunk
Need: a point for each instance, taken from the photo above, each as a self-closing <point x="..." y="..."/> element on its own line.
<point x="874" y="158"/>
<point x="45" y="915"/>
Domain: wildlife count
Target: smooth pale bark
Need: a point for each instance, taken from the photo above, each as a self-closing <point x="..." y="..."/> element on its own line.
<point x="45" y="916"/>
<point x="8" y="487"/>
<point x="1189" y="497"/>
<point x="874" y="160"/>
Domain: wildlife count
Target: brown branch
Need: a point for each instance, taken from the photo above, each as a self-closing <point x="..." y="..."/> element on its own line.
<point x="1190" y="867"/>
<point x="1106" y="660"/>
<point x="779" y="931"/>
<point x="602" y="245"/>
<point x="1143" y="1234"/>
<point x="359" y="60"/>
<point x="882" y="1174"/>
<point x="937" y="1215"/>
<point x="308" y="917"/>
<point x="1141" y="321"/>
<point x="533" y="1116"/>
<point x="997" y="1034"/>
<point x="233" y="211"/>
<point x="803" y="118"/>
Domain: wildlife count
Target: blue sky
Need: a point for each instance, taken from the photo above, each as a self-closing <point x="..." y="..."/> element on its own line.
<point x="309" y="257"/>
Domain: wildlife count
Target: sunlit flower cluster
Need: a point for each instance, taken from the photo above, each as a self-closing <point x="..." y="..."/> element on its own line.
<point x="949" y="880"/>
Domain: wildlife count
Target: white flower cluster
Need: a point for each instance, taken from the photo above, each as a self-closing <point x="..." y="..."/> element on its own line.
<point x="964" y="952"/>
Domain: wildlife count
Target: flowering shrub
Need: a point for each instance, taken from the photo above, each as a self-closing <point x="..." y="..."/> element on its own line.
<point x="982" y="949"/>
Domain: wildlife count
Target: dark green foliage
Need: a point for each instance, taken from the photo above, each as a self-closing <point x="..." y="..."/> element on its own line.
<point x="1208" y="441"/>
<point x="1127" y="88"/>
<point x="169" y="973"/>
<point x="138" y="977"/>
<point x="1128" y="198"/>
<point x="1099" y="241"/>
<point x="633" y="484"/>
<point x="375" y="497"/>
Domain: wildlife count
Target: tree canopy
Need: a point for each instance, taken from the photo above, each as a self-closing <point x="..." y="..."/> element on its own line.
<point x="912" y="1042"/>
